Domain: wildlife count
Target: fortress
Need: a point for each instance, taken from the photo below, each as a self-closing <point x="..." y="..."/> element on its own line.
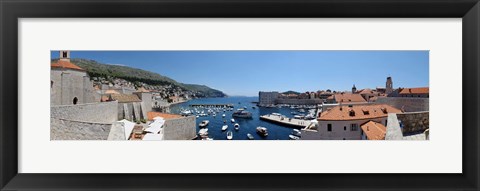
<point x="78" y="111"/>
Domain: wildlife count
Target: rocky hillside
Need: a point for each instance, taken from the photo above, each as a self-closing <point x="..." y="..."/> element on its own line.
<point x="141" y="78"/>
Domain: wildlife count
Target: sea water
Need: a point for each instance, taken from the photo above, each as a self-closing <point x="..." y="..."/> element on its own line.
<point x="247" y="125"/>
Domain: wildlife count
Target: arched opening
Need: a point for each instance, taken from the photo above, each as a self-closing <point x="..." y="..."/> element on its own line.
<point x="75" y="100"/>
<point x="51" y="84"/>
<point x="64" y="54"/>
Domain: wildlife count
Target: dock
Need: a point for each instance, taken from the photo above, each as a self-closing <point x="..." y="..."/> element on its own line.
<point x="212" y="105"/>
<point x="290" y="122"/>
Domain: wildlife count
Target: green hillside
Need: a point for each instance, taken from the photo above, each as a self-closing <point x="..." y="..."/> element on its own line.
<point x="96" y="69"/>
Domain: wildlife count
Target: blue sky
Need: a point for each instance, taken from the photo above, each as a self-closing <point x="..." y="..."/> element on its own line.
<point x="247" y="72"/>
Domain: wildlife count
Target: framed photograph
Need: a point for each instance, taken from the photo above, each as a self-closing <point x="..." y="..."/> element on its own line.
<point x="224" y="95"/>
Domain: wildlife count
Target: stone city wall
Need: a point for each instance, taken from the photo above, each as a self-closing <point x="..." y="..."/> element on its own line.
<point x="298" y="101"/>
<point x="413" y="122"/>
<point x="75" y="130"/>
<point x="180" y="129"/>
<point x="408" y="104"/>
<point x="104" y="112"/>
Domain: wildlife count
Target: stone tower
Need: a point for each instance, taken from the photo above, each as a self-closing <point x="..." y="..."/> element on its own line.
<point x="65" y="55"/>
<point x="354" y="89"/>
<point x="389" y="85"/>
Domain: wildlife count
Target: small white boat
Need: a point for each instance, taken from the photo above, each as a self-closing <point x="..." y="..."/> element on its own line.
<point x="225" y="127"/>
<point x="223" y="115"/>
<point x="296" y="132"/>
<point x="293" y="137"/>
<point x="250" y="136"/>
<point x="262" y="131"/>
<point x="229" y="135"/>
<point x="204" y="123"/>
<point x="237" y="126"/>
<point x="232" y="120"/>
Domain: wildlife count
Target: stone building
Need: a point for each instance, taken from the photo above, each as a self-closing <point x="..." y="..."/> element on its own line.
<point x="267" y="98"/>
<point x="70" y="84"/>
<point x="389" y="85"/>
<point x="344" y="122"/>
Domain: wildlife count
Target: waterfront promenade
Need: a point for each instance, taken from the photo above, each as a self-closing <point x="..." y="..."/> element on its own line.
<point x="291" y="122"/>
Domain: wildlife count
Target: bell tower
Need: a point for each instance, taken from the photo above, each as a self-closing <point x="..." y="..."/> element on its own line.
<point x="65" y="55"/>
<point x="389" y="85"/>
<point x="354" y="89"/>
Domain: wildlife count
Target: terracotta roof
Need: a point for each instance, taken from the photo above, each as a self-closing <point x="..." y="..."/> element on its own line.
<point x="423" y="90"/>
<point x="152" y="115"/>
<point x="347" y="97"/>
<point x="65" y="64"/>
<point x="356" y="112"/>
<point x="374" y="130"/>
<point x="125" y="98"/>
<point x="365" y="91"/>
<point x="111" y="92"/>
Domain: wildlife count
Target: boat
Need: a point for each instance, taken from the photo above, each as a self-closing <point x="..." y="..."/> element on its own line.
<point x="250" y="136"/>
<point x="224" y="121"/>
<point x="225" y="127"/>
<point x="253" y="107"/>
<point x="204" y="123"/>
<point x="203" y="132"/>
<point x="214" y="115"/>
<point x="237" y="126"/>
<point x="293" y="137"/>
<point x="232" y="120"/>
<point x="242" y="114"/>
<point x="296" y="132"/>
<point x="262" y="131"/>
<point x="244" y="107"/>
<point x="229" y="135"/>
<point x="223" y="115"/>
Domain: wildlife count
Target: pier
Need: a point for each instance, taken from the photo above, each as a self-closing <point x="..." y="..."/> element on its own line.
<point x="212" y="105"/>
<point x="291" y="122"/>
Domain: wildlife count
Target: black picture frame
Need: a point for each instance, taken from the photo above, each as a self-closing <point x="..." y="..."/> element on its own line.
<point x="11" y="11"/>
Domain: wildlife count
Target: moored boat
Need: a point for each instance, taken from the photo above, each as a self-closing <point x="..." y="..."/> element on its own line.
<point x="296" y="132"/>
<point x="242" y="114"/>
<point x="250" y="136"/>
<point x="229" y="135"/>
<point x="225" y="127"/>
<point x="237" y="126"/>
<point x="293" y="137"/>
<point x="204" y="123"/>
<point x="232" y="120"/>
<point x="262" y="131"/>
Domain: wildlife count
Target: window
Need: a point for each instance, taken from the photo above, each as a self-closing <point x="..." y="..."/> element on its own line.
<point x="354" y="127"/>
<point x="329" y="127"/>
<point x="51" y="84"/>
<point x="344" y="128"/>
<point x="64" y="54"/>
<point x="75" y="100"/>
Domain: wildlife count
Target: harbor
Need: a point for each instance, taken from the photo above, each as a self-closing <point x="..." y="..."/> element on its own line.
<point x="212" y="105"/>
<point x="220" y="123"/>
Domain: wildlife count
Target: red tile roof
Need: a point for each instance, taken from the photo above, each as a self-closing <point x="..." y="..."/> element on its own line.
<point x="423" y="90"/>
<point x="65" y="64"/>
<point x="152" y="115"/>
<point x="346" y="98"/>
<point x="365" y="91"/>
<point x="374" y="130"/>
<point x="357" y="112"/>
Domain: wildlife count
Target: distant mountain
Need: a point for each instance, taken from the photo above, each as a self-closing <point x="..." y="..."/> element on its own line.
<point x="96" y="69"/>
<point x="291" y="92"/>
